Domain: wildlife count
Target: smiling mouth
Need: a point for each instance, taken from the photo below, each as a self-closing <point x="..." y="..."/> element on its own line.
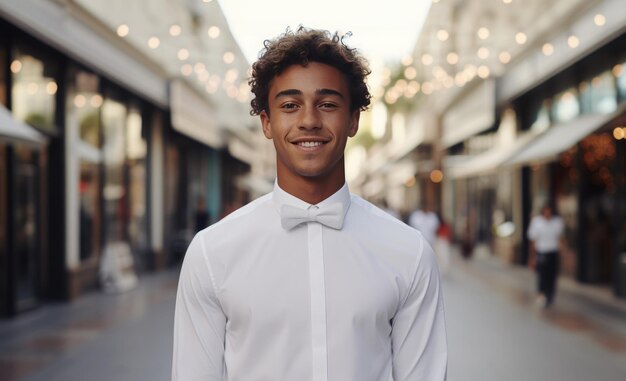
<point x="309" y="144"/>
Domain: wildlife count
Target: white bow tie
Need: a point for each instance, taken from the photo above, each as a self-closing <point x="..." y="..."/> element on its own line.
<point x="331" y="216"/>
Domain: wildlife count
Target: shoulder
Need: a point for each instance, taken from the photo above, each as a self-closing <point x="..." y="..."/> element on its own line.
<point x="242" y="220"/>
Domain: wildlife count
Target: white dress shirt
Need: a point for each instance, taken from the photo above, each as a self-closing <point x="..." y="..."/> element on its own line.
<point x="257" y="301"/>
<point x="545" y="233"/>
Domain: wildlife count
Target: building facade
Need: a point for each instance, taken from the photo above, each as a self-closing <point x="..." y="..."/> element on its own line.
<point x="522" y="104"/>
<point x="104" y="143"/>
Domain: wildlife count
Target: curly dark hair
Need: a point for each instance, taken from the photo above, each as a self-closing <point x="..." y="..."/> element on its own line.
<point x="299" y="48"/>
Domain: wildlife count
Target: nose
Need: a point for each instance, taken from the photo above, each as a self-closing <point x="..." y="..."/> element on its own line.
<point x="310" y="119"/>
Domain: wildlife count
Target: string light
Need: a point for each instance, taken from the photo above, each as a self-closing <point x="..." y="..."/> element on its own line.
<point x="228" y="57"/>
<point x="521" y="38"/>
<point x="16" y="66"/>
<point x="96" y="101"/>
<point x="410" y="72"/>
<point x="505" y="57"/>
<point x="483" y="33"/>
<point x="183" y="54"/>
<point x="442" y="34"/>
<point x="123" y="30"/>
<point x="452" y="58"/>
<point x="154" y="42"/>
<point x="51" y="88"/>
<point x="186" y="70"/>
<point x="436" y="176"/>
<point x="427" y="87"/>
<point x="175" y="30"/>
<point x="599" y="19"/>
<point x="547" y="49"/>
<point x="483" y="71"/>
<point x="572" y="41"/>
<point x="199" y="67"/>
<point x="79" y="100"/>
<point x="214" y="32"/>
<point x="427" y="59"/>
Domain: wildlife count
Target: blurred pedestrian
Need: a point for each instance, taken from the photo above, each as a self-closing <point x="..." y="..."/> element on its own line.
<point x="201" y="215"/>
<point x="545" y="233"/>
<point x="309" y="282"/>
<point x="426" y="222"/>
<point x="442" y="245"/>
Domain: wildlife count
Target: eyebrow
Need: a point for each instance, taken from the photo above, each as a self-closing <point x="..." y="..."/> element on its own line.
<point x="291" y="92"/>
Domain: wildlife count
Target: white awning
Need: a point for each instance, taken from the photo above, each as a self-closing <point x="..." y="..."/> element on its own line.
<point x="471" y="115"/>
<point x="559" y="138"/>
<point x="60" y="25"/>
<point x="14" y="129"/>
<point x="490" y="160"/>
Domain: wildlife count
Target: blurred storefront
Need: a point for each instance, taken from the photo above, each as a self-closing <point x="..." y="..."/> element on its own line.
<point x="576" y="160"/>
<point x="557" y="137"/>
<point x="523" y="103"/>
<point x="99" y="145"/>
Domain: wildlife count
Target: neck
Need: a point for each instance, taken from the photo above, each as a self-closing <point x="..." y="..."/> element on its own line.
<point x="312" y="190"/>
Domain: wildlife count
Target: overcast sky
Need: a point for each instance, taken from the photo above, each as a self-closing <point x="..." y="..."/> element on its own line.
<point x="384" y="31"/>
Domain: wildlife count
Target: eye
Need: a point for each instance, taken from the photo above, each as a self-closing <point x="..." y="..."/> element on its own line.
<point x="327" y="105"/>
<point x="289" y="106"/>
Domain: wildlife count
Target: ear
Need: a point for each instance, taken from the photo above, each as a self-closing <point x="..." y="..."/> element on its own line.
<point x="265" y="121"/>
<point x="354" y="122"/>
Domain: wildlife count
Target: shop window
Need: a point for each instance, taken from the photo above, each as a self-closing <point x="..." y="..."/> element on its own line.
<point x="26" y="226"/>
<point x="566" y="106"/>
<point x="114" y="117"/>
<point x="542" y="119"/>
<point x="599" y="95"/>
<point x="598" y="153"/>
<point x="33" y="94"/>
<point x="3" y="77"/>
<point x="83" y="105"/>
<point x="619" y="71"/>
<point x="540" y="187"/>
<point x="566" y="196"/>
<point x="3" y="218"/>
<point x="136" y="151"/>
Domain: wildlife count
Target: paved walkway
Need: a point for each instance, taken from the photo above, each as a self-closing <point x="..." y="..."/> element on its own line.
<point x="99" y="337"/>
<point x="495" y="332"/>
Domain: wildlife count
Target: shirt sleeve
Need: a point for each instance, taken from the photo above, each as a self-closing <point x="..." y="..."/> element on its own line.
<point x="199" y="323"/>
<point x="418" y="335"/>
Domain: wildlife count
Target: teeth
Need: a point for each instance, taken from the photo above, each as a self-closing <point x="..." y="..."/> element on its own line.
<point x="310" y="144"/>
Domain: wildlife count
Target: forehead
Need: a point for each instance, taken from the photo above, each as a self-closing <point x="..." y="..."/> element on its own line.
<point x="310" y="78"/>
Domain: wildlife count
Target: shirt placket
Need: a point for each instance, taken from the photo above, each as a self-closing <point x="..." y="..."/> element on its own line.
<point x="318" y="300"/>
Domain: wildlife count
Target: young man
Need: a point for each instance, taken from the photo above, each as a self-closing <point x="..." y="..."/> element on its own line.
<point x="309" y="282"/>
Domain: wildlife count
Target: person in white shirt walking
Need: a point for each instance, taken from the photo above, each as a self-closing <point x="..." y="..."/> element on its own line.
<point x="545" y="232"/>
<point x="427" y="222"/>
<point x="309" y="282"/>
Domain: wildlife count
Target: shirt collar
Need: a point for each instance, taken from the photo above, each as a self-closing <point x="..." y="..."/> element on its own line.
<point x="281" y="197"/>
